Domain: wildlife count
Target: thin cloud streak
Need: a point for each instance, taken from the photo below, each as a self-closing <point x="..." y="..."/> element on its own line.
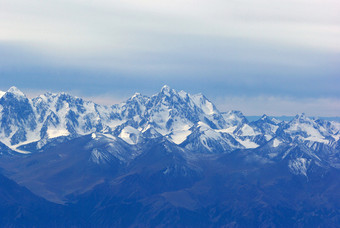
<point x="277" y="106"/>
<point x="96" y="26"/>
<point x="220" y="48"/>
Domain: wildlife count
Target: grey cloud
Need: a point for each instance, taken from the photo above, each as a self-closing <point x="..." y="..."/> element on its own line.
<point x="221" y="48"/>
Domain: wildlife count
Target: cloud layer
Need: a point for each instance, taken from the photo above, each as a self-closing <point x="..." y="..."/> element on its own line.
<point x="232" y="48"/>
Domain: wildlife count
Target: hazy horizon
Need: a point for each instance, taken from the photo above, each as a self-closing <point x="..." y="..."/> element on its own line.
<point x="254" y="56"/>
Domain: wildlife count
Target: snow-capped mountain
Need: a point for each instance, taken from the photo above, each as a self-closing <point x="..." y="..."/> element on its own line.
<point x="190" y="121"/>
<point x="302" y="128"/>
<point x="171" y="155"/>
<point x="48" y="116"/>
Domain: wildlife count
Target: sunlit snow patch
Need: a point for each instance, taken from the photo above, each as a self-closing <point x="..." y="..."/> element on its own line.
<point x="130" y="135"/>
<point x="299" y="166"/>
<point x="276" y="142"/>
<point x="247" y="143"/>
<point x="57" y="132"/>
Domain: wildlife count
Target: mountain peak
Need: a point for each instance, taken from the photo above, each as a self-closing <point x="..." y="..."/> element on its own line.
<point x="183" y="94"/>
<point x="166" y="90"/>
<point x="136" y="95"/>
<point x="48" y="94"/>
<point x="15" y="91"/>
<point x="236" y="113"/>
<point x="301" y="116"/>
<point x="264" y="117"/>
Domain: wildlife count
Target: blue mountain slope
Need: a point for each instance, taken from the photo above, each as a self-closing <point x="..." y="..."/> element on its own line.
<point x="172" y="159"/>
<point x="236" y="189"/>
<point x="72" y="166"/>
<point x="20" y="208"/>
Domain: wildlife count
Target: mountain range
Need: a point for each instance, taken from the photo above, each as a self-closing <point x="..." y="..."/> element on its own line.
<point x="171" y="159"/>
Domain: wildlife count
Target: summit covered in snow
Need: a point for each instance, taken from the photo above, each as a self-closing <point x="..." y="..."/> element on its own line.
<point x="189" y="121"/>
<point x="171" y="158"/>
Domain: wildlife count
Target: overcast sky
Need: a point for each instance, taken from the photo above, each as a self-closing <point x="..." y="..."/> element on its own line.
<point x="257" y="56"/>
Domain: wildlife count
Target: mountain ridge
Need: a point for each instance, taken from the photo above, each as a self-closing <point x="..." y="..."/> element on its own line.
<point x="165" y="160"/>
<point x="191" y="122"/>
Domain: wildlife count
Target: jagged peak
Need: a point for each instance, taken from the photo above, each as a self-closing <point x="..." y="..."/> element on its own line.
<point x="234" y="118"/>
<point x="166" y="90"/>
<point x="199" y="96"/>
<point x="60" y="94"/>
<point x="196" y="96"/>
<point x="44" y="97"/>
<point x="264" y="117"/>
<point x="14" y="90"/>
<point x="203" y="103"/>
<point x="267" y="119"/>
<point x="137" y="96"/>
<point x="276" y="121"/>
<point x="235" y="112"/>
<point x="301" y="116"/>
<point x="65" y="95"/>
<point x="48" y="94"/>
<point x="183" y="94"/>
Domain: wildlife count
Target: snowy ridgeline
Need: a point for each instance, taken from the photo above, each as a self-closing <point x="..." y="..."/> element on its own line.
<point x="190" y="121"/>
<point x="182" y="118"/>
